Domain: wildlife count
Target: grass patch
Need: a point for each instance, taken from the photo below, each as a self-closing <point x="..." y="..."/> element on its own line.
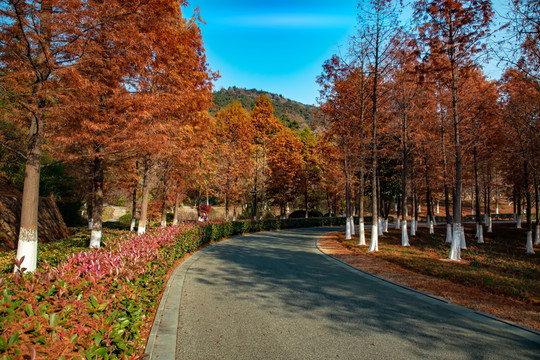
<point x="499" y="266"/>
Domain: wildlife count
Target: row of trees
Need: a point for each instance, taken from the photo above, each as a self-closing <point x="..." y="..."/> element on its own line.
<point x="120" y="91"/>
<point x="103" y="86"/>
<point x="418" y="98"/>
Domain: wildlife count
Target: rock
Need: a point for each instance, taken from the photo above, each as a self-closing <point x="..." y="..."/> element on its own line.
<point x="51" y="226"/>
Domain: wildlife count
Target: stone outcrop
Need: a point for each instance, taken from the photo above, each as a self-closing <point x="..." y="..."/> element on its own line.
<point x="51" y="225"/>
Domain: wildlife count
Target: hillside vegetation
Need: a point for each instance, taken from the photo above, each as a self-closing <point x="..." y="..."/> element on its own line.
<point x="295" y="111"/>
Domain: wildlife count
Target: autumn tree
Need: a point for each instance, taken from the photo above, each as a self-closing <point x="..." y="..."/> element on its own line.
<point x="285" y="162"/>
<point x="453" y="31"/>
<point x="232" y="136"/>
<point x="520" y="114"/>
<point x="377" y="26"/>
<point x="265" y="125"/>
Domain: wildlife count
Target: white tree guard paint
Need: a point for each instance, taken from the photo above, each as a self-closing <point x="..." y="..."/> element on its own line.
<point x="90" y="224"/>
<point x="448" y="234"/>
<point x="434" y="220"/>
<point x="385" y="222"/>
<point x="413" y="227"/>
<point x="430" y="225"/>
<point x="397" y="224"/>
<point x="163" y="223"/>
<point x="95" y="239"/>
<point x="379" y="227"/>
<point x="141" y="230"/>
<point x="537" y="235"/>
<point x="438" y="207"/>
<point x="132" y="226"/>
<point x="351" y="223"/>
<point x="490" y="225"/>
<point x="374" y="244"/>
<point x="518" y="222"/>
<point x="455" y="249"/>
<point x="530" y="249"/>
<point x="348" y="229"/>
<point x="480" y="232"/>
<point x="463" y="240"/>
<point x="404" y="236"/>
<point x="362" y="234"/>
<point x="27" y="247"/>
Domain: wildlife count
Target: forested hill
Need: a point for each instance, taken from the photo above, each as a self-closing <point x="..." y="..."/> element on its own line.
<point x="291" y="113"/>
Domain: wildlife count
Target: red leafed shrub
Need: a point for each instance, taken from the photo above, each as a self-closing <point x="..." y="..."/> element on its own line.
<point x="205" y="208"/>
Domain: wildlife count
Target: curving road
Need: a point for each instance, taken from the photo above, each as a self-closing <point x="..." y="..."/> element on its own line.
<point x="274" y="295"/>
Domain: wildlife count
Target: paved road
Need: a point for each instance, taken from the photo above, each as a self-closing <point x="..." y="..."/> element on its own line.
<point x="274" y="295"/>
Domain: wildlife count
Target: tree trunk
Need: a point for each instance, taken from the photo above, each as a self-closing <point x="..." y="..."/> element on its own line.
<point x="28" y="232"/>
<point x="133" y="210"/>
<point x="145" y="192"/>
<point x="537" y="232"/>
<point x="428" y="199"/>
<point x="529" y="244"/>
<point x="479" y="227"/>
<point x="164" y="202"/>
<point x="90" y="207"/>
<point x="176" y="209"/>
<point x="457" y="146"/>
<point x="95" y="237"/>
<point x="361" y="228"/>
<point x="347" y="204"/>
<point x="374" y="244"/>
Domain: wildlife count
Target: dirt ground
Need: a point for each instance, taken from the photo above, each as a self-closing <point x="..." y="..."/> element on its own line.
<point x="502" y="307"/>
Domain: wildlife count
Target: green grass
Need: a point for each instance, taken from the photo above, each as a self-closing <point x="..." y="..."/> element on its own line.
<point x="500" y="265"/>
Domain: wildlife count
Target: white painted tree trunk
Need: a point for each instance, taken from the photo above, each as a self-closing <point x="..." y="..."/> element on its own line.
<point x="463" y="240"/>
<point x="90" y="224"/>
<point x="351" y="222"/>
<point x="132" y="225"/>
<point x="434" y="220"/>
<point x="95" y="239"/>
<point x="430" y="226"/>
<point x="385" y="222"/>
<point x="490" y="225"/>
<point x="448" y="234"/>
<point x="480" y="232"/>
<point x="397" y="224"/>
<point x="530" y="249"/>
<point x="413" y="227"/>
<point x="537" y="235"/>
<point x="438" y="207"/>
<point x="27" y="246"/>
<point x="518" y="222"/>
<point x="362" y="234"/>
<point x="374" y="244"/>
<point x="380" y="227"/>
<point x="404" y="236"/>
<point x="348" y="228"/>
<point x="455" y="249"/>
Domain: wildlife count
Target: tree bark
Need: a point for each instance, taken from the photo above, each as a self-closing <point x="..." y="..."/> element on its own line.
<point x="133" y="209"/>
<point x="28" y="231"/>
<point x="95" y="237"/>
<point x="145" y="192"/>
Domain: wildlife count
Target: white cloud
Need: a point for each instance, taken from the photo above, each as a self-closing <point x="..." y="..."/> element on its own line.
<point x="288" y="21"/>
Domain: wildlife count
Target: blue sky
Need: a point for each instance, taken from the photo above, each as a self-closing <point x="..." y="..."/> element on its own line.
<point x="276" y="46"/>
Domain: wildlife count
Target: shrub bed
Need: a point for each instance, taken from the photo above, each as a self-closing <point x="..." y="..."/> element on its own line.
<point x="94" y="303"/>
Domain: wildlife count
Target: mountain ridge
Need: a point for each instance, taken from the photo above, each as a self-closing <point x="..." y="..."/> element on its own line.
<point x="292" y="113"/>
